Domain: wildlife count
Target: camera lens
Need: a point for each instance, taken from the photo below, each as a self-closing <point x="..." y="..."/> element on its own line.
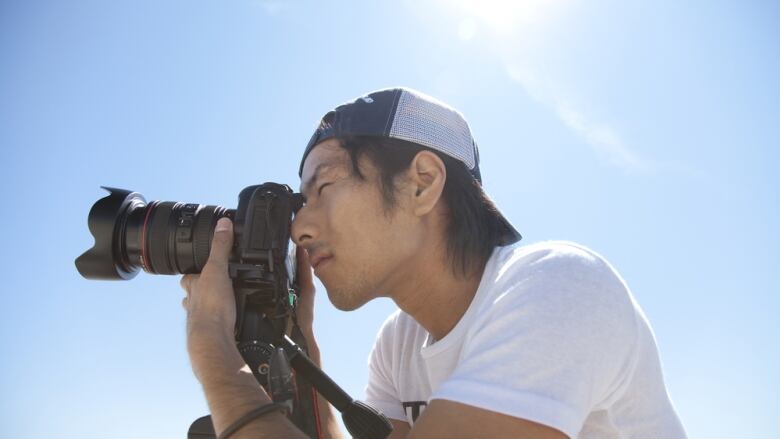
<point x="174" y="237"/>
<point x="161" y="237"/>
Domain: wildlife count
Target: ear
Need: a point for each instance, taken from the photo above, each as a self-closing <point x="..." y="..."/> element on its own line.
<point x="427" y="175"/>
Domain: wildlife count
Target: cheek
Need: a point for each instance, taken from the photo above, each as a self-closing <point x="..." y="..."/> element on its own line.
<point x="354" y="212"/>
<point x="358" y="228"/>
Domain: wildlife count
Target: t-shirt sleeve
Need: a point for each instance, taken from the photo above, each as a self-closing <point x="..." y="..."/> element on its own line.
<point x="381" y="394"/>
<point x="550" y="344"/>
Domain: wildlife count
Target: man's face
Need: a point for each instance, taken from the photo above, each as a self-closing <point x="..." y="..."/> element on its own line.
<point x="358" y="250"/>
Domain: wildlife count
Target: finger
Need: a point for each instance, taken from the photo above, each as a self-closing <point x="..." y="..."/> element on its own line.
<point x="221" y="243"/>
<point x="304" y="270"/>
<point x="305" y="281"/>
<point x="186" y="282"/>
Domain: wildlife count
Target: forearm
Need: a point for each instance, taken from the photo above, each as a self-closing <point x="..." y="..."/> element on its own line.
<point x="232" y="391"/>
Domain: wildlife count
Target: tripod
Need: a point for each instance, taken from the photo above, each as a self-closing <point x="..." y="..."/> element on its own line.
<point x="270" y="354"/>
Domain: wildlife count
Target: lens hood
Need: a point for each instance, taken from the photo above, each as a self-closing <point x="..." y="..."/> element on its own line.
<point x="104" y="260"/>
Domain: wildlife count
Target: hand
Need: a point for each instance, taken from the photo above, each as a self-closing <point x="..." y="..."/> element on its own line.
<point x="210" y="302"/>
<point x="305" y="307"/>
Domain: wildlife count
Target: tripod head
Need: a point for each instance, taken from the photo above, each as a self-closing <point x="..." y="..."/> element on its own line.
<point x="270" y="364"/>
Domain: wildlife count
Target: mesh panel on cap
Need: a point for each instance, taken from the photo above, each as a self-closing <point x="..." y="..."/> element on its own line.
<point x="421" y="119"/>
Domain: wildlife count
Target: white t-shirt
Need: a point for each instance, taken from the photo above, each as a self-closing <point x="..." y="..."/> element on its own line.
<point x="553" y="335"/>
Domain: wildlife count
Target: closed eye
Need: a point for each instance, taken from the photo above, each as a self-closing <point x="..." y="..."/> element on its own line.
<point x="319" y="190"/>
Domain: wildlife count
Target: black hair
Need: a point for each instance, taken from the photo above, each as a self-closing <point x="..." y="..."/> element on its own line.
<point x="474" y="225"/>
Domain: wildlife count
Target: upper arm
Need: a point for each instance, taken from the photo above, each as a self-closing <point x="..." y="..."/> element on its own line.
<point x="454" y="420"/>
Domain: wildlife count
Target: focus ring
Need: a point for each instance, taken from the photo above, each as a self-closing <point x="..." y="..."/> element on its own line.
<point x="157" y="238"/>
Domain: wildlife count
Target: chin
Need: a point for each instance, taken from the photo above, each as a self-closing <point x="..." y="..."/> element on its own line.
<point x="346" y="301"/>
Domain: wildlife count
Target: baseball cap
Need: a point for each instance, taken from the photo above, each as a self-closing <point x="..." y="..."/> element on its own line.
<point x="406" y="114"/>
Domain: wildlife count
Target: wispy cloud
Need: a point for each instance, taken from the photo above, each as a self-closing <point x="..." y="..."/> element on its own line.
<point x="603" y="139"/>
<point x="522" y="35"/>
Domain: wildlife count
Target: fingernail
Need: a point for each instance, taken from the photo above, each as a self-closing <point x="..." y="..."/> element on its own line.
<point x="222" y="225"/>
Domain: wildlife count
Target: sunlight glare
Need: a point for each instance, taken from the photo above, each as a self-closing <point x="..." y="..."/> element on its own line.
<point x="504" y="16"/>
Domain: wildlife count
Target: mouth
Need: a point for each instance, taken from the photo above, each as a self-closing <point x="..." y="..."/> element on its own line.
<point x="317" y="260"/>
<point x="322" y="262"/>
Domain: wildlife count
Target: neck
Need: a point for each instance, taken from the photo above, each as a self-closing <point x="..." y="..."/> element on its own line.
<point x="434" y="296"/>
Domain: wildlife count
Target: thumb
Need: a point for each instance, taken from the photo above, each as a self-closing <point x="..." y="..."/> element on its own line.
<point x="222" y="242"/>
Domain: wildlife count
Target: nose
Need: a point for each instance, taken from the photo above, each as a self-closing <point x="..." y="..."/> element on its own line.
<point x="303" y="229"/>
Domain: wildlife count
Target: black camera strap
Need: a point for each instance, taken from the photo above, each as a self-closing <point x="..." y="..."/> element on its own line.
<point x="362" y="421"/>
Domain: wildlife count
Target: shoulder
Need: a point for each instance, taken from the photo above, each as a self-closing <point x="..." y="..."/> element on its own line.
<point x="545" y="253"/>
<point x="557" y="280"/>
<point x="551" y="261"/>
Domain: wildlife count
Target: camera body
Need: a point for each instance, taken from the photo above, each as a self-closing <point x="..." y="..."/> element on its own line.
<point x="262" y="263"/>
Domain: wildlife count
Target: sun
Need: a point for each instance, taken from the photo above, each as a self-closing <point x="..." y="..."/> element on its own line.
<point x="504" y="16"/>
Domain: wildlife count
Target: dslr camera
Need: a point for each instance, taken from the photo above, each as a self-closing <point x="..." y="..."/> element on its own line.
<point x="166" y="237"/>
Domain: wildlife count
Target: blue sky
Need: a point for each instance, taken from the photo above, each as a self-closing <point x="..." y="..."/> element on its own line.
<point x="647" y="131"/>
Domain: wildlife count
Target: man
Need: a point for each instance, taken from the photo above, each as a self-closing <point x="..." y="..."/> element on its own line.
<point x="492" y="339"/>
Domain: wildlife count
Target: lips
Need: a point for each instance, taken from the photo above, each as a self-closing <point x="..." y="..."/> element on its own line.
<point x="316" y="259"/>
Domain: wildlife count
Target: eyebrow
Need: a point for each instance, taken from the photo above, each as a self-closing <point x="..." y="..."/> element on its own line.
<point x="318" y="171"/>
